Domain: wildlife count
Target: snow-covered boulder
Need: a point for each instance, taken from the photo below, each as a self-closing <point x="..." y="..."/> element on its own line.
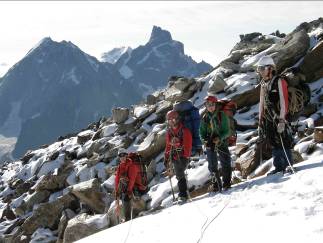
<point x="84" y="225"/>
<point x="89" y="192"/>
<point x="120" y="115"/>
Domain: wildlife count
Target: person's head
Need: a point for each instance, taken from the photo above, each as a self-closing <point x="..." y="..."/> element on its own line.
<point x="122" y="154"/>
<point x="172" y="118"/>
<point x="266" y="67"/>
<point x="210" y="103"/>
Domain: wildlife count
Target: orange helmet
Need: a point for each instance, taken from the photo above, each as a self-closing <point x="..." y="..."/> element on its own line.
<point x="172" y="115"/>
<point x="210" y="98"/>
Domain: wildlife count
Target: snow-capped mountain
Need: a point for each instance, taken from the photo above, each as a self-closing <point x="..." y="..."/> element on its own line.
<point x="55" y="89"/>
<point x="114" y="55"/>
<point x="151" y="65"/>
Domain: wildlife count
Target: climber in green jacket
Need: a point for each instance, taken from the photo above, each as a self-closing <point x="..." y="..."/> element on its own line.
<point x="214" y="131"/>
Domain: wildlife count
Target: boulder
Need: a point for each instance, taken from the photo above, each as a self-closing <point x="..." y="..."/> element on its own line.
<point x="151" y="99"/>
<point x="84" y="225"/>
<point x="67" y="214"/>
<point x="240" y="149"/>
<point x="47" y="215"/>
<point x="216" y="84"/>
<point x="312" y="64"/>
<point x="247" y="98"/>
<point x="318" y="134"/>
<point x="89" y="192"/>
<point x="6" y="213"/>
<point x="250" y="160"/>
<point x="287" y="52"/>
<point x="120" y="115"/>
<point x="153" y="144"/>
<point x="84" y="136"/>
<point x="31" y="200"/>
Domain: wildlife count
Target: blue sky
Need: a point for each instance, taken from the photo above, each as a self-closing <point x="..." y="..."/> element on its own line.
<point x="208" y="30"/>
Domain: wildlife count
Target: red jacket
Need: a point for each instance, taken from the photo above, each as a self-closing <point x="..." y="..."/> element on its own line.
<point x="179" y="138"/>
<point x="130" y="173"/>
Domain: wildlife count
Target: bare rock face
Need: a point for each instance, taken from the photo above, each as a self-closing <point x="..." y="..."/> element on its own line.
<point x="35" y="198"/>
<point x="47" y="215"/>
<point x="248" y="98"/>
<point x="84" y="136"/>
<point x="120" y="115"/>
<point x="153" y="144"/>
<point x="216" y="85"/>
<point x="290" y="50"/>
<point x="312" y="65"/>
<point x="89" y="192"/>
<point x="181" y="89"/>
<point x="84" y="225"/>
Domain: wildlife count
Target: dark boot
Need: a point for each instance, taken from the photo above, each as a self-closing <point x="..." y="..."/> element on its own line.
<point x="182" y="187"/>
<point x="216" y="181"/>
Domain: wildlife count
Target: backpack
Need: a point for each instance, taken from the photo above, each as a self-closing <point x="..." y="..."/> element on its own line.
<point x="229" y="107"/>
<point x="190" y="117"/>
<point x="137" y="159"/>
<point x="299" y="92"/>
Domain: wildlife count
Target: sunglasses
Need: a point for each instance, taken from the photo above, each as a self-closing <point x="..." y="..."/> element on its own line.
<point x="209" y="104"/>
<point x="262" y="68"/>
<point x="122" y="155"/>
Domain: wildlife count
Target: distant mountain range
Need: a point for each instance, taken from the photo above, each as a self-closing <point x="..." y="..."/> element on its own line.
<point x="58" y="89"/>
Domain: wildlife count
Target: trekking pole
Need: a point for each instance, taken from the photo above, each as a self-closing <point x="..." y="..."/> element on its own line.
<point x="169" y="176"/>
<point x="290" y="164"/>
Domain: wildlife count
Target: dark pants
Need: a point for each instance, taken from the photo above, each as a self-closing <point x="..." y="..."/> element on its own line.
<point x="280" y="161"/>
<point x="225" y="160"/>
<point x="127" y="203"/>
<point x="179" y="169"/>
<point x="279" y="142"/>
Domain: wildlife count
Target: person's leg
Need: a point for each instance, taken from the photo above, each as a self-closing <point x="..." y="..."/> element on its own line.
<point x="213" y="168"/>
<point x="179" y="167"/>
<point x="225" y="160"/>
<point x="126" y="202"/>
<point x="278" y="159"/>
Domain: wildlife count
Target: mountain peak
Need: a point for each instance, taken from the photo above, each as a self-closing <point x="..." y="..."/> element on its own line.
<point x="158" y="36"/>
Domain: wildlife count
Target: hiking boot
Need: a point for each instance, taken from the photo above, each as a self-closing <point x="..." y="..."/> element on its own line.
<point x="182" y="200"/>
<point x="275" y="171"/>
<point x="226" y="187"/>
<point x="289" y="170"/>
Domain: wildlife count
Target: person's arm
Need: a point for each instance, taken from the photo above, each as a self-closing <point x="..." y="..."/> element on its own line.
<point x="225" y="127"/>
<point x="203" y="131"/>
<point x="187" y="143"/>
<point x="168" y="146"/>
<point x="283" y="98"/>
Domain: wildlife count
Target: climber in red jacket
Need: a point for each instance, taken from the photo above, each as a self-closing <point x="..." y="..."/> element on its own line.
<point x="127" y="181"/>
<point x="178" y="150"/>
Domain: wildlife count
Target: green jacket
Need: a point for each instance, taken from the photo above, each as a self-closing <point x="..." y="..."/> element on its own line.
<point x="221" y="130"/>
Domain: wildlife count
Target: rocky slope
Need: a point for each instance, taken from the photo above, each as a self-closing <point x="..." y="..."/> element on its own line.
<point x="53" y="192"/>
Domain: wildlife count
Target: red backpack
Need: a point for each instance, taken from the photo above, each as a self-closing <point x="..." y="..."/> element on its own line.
<point x="137" y="159"/>
<point x="229" y="107"/>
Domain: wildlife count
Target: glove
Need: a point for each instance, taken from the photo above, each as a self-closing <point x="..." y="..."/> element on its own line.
<point x="206" y="144"/>
<point x="281" y="127"/>
<point x="216" y="141"/>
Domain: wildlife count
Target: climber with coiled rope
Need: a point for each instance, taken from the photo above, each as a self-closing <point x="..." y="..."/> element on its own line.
<point x="273" y="109"/>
